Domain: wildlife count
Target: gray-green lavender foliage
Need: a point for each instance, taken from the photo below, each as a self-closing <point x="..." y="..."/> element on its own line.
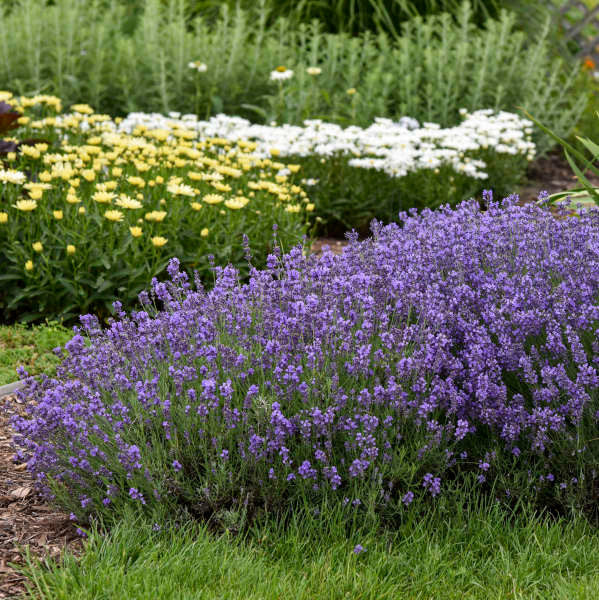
<point x="78" y="50"/>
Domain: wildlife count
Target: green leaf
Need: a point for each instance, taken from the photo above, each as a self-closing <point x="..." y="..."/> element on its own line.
<point x="217" y="103"/>
<point x="326" y="97"/>
<point x="579" y="204"/>
<point x="558" y="139"/>
<point x="594" y="149"/>
<point x="10" y="277"/>
<point x="585" y="182"/>
<point x="559" y="195"/>
<point x="162" y="266"/>
<point x="69" y="309"/>
<point x="259" y="111"/>
<point x="28" y="294"/>
<point x="67" y="285"/>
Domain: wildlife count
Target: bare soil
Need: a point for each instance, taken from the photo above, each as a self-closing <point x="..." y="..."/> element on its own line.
<point x="553" y="174"/>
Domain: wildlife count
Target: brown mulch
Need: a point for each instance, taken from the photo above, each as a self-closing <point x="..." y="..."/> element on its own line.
<point x="25" y="519"/>
<point x="553" y="174"/>
<point x="336" y="246"/>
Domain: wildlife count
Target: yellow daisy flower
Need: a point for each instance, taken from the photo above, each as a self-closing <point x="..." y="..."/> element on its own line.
<point x="136" y="181"/>
<point x="83" y="109"/>
<point x="155" y="215"/>
<point x="159" y="241"/>
<point x="103" y="197"/>
<point x="88" y="174"/>
<point x="114" y="215"/>
<point x="26" y="205"/>
<point x="236" y="203"/>
<point x="212" y="198"/>
<point x="181" y="190"/>
<point x="126" y="202"/>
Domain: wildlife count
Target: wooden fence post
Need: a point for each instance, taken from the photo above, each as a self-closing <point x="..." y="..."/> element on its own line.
<point x="584" y="31"/>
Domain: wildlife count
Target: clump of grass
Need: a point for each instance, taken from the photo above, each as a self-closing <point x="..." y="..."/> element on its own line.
<point x="479" y="551"/>
<point x="30" y="347"/>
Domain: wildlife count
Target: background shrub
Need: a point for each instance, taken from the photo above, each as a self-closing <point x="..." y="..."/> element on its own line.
<point x="439" y="64"/>
<point x="348" y="197"/>
<point x="457" y="349"/>
<point x="354" y="16"/>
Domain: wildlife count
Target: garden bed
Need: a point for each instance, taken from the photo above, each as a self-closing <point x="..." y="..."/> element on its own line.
<point x="412" y="415"/>
<point x="27" y="522"/>
<point x="25" y="519"/>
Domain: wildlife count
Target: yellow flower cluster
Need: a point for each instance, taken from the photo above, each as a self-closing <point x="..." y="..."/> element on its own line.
<point x="23" y="102"/>
<point x="166" y="179"/>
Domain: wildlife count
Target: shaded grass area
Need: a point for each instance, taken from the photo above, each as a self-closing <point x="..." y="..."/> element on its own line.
<point x="30" y="347"/>
<point x="474" y="551"/>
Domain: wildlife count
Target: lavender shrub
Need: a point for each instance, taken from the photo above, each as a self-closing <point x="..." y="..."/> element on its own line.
<point x="459" y="345"/>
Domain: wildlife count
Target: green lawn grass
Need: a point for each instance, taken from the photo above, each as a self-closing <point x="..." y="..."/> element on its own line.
<point x="30" y="347"/>
<point x="474" y="551"/>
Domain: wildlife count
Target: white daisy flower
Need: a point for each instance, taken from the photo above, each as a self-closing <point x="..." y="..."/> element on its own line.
<point x="198" y="66"/>
<point x="281" y="73"/>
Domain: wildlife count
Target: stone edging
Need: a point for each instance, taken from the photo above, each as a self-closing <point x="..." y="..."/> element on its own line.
<point x="10" y="388"/>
